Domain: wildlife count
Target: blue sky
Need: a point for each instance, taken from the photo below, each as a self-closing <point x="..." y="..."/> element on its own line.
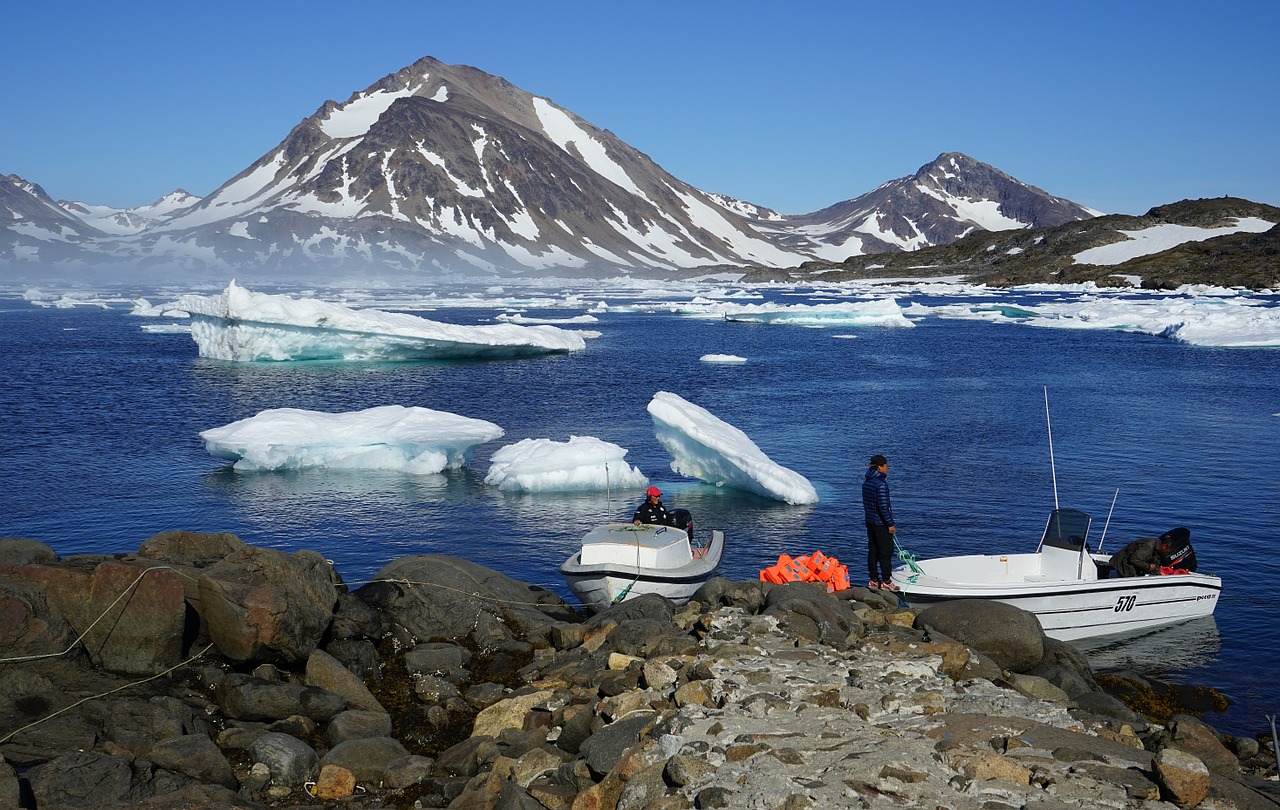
<point x="1117" y="106"/>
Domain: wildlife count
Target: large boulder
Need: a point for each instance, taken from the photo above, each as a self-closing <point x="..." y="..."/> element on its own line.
<point x="261" y="604"/>
<point x="435" y="596"/>
<point x="16" y="551"/>
<point x="132" y="615"/>
<point x="195" y="549"/>
<point x="1009" y="636"/>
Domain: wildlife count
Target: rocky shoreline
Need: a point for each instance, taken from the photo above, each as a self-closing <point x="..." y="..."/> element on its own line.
<point x="203" y="674"/>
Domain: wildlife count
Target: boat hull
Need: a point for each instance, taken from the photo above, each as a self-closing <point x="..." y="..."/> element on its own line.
<point x="1077" y="609"/>
<point x="601" y="584"/>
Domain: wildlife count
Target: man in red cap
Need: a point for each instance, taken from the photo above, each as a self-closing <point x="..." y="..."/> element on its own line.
<point x="652" y="511"/>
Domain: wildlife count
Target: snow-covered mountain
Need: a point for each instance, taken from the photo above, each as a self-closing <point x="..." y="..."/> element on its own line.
<point x="446" y="170"/>
<point x="119" y="221"/>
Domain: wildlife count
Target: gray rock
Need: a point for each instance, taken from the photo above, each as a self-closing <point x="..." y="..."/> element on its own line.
<point x="1010" y="636"/>
<point x="436" y="658"/>
<point x="603" y="749"/>
<point x="437" y="596"/>
<point x="326" y="672"/>
<point x="646" y="606"/>
<point x="358" y="724"/>
<point x="718" y="591"/>
<point x="644" y="638"/>
<point x="366" y="758"/>
<point x="89" y="779"/>
<point x="407" y="771"/>
<point x="17" y="551"/>
<point x="196" y="756"/>
<point x="244" y="697"/>
<point x="1104" y="705"/>
<point x="136" y="725"/>
<point x="290" y="760"/>
<point x="1199" y="739"/>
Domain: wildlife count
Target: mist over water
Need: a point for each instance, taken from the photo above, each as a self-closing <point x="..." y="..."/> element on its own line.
<point x="101" y="447"/>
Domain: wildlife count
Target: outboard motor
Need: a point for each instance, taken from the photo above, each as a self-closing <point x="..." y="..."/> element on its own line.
<point x="1180" y="555"/>
<point x="683" y="519"/>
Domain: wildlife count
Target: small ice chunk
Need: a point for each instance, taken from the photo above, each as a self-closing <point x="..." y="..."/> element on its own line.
<point x="722" y="358"/>
<point x="583" y="463"/>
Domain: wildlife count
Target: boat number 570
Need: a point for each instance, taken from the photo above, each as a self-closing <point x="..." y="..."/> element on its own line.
<point x="1126" y="603"/>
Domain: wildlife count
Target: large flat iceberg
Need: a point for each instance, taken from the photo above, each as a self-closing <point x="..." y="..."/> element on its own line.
<point x="390" y="437"/>
<point x="583" y="463"/>
<point x="246" y="326"/>
<point x="704" y="447"/>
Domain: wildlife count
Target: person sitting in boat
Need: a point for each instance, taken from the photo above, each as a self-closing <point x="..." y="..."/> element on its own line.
<point x="652" y="511"/>
<point x="1174" y="550"/>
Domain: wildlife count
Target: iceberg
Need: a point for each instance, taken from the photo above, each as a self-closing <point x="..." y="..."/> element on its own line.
<point x="722" y="358"/>
<point x="881" y="312"/>
<point x="245" y="326"/>
<point x="389" y="437"/>
<point x="583" y="463"/>
<point x="704" y="447"/>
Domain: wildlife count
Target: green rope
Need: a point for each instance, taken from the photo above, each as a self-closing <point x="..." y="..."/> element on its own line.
<point x="907" y="557"/>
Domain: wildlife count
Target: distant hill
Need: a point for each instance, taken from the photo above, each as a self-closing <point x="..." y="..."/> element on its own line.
<point x="1223" y="241"/>
<point x="443" y="170"/>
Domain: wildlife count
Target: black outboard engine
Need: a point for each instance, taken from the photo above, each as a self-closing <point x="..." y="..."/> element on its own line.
<point x="1180" y="555"/>
<point x="683" y="519"/>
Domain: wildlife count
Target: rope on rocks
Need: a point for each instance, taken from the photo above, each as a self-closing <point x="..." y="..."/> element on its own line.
<point x="101" y="616"/>
<point x="11" y="734"/>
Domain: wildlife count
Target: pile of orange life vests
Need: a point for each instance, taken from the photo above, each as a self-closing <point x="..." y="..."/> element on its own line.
<point x="815" y="567"/>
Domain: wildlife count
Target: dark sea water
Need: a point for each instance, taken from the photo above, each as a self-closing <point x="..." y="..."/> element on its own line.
<point x="100" y="450"/>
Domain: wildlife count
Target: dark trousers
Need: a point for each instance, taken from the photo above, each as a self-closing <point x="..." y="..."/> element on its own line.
<point x="879" y="552"/>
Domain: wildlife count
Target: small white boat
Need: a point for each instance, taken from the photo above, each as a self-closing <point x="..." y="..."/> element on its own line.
<point x="1069" y="589"/>
<point x="620" y="561"/>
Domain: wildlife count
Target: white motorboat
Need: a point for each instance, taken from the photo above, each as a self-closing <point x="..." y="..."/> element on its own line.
<point x="1069" y="589"/>
<point x="620" y="561"/>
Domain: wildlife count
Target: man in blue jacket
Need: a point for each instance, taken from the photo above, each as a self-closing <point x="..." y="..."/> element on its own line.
<point x="880" y="524"/>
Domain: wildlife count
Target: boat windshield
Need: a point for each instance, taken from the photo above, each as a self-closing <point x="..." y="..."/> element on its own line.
<point x="1067" y="528"/>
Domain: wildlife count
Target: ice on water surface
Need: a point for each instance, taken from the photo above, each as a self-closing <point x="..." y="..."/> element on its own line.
<point x="388" y="437"/>
<point x="242" y="325"/>
<point x="583" y="463"/>
<point x="703" y="446"/>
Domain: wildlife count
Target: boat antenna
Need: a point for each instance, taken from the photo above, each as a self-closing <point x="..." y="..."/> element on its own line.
<point x="608" y="494"/>
<point x="1103" y="539"/>
<point x="1053" y="470"/>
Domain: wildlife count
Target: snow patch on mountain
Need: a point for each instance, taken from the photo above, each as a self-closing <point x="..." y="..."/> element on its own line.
<point x="562" y="130"/>
<point x="354" y="118"/>
<point x="1163" y="237"/>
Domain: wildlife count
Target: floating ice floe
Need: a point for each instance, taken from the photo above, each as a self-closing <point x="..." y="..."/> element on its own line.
<point x="242" y="325"/>
<point x="880" y="312"/>
<point x="520" y="318"/>
<point x="722" y="358"/>
<point x="389" y="437"/>
<point x="1217" y="320"/>
<point x="583" y="463"/>
<point x="704" y="447"/>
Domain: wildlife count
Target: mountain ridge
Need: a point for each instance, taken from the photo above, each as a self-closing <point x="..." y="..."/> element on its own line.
<point x="444" y="171"/>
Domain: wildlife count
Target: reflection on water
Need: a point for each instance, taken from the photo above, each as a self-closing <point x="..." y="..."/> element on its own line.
<point x="1164" y="652"/>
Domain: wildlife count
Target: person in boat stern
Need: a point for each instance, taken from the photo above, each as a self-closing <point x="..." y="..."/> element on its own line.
<point x="652" y="511"/>
<point x="1148" y="555"/>
<point x="878" y="511"/>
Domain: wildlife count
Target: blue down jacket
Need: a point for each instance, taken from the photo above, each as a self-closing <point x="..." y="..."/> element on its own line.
<point x="875" y="499"/>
